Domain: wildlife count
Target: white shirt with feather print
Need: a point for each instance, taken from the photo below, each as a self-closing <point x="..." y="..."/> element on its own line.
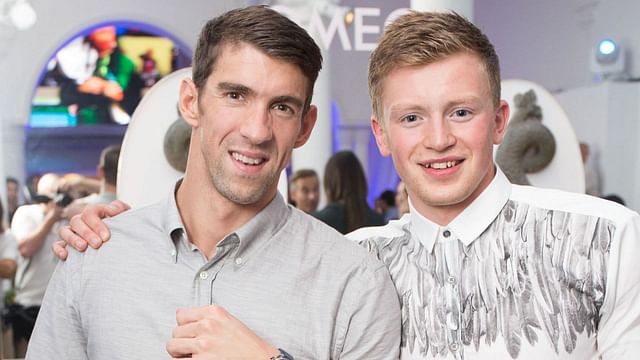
<point x="522" y="273"/>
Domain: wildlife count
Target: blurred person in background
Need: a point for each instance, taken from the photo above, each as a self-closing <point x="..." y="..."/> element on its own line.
<point x="402" y="199"/>
<point x="345" y="186"/>
<point x="8" y="264"/>
<point x="592" y="183"/>
<point x="107" y="172"/>
<point x="13" y="198"/>
<point x="35" y="227"/>
<point x="304" y="190"/>
<point x="385" y="205"/>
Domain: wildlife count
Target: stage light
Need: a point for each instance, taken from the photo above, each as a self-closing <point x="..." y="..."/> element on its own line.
<point x="608" y="51"/>
<point x="608" y="60"/>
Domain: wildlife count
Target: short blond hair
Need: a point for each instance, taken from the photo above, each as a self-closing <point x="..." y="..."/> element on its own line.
<point x="422" y="38"/>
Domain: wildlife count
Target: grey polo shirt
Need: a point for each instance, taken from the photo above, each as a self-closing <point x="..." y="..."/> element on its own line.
<point x="293" y="280"/>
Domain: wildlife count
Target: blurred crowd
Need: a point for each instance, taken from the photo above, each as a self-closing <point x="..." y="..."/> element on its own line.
<point x="35" y="211"/>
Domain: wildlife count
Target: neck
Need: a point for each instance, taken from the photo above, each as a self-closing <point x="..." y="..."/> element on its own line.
<point x="444" y="214"/>
<point x="208" y="216"/>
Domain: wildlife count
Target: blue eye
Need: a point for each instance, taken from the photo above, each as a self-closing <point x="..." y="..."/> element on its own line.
<point x="461" y="115"/>
<point x="410" y="118"/>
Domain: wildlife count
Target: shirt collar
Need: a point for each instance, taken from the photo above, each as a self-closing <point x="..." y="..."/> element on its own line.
<point x="173" y="226"/>
<point x="473" y="220"/>
<point x="252" y="236"/>
<point x="258" y="231"/>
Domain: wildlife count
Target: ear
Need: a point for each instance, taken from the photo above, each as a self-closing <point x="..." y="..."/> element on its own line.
<point x="308" y="121"/>
<point x="380" y="134"/>
<point x="188" y="102"/>
<point x="501" y="120"/>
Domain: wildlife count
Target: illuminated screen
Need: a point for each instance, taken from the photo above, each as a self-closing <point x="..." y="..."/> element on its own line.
<point x="99" y="75"/>
<point x="88" y="89"/>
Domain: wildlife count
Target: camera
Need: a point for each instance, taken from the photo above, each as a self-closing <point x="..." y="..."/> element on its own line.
<point x="62" y="199"/>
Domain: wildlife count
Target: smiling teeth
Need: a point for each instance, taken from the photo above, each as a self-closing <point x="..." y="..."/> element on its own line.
<point x="246" y="160"/>
<point x="442" y="165"/>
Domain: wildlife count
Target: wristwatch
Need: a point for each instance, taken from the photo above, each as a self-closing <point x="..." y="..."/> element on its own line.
<point x="283" y="355"/>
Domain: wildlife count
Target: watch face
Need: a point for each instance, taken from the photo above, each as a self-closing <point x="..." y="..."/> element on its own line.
<point x="282" y="356"/>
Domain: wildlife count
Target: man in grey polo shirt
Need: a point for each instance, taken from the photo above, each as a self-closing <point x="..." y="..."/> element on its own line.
<point x="224" y="236"/>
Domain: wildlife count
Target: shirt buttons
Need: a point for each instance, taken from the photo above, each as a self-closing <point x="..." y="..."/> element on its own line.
<point x="446" y="233"/>
<point x="452" y="280"/>
<point x="173" y="252"/>
<point x="204" y="275"/>
<point x="238" y="261"/>
<point x="454" y="346"/>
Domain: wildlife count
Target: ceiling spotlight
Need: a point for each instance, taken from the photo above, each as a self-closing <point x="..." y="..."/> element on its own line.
<point x="608" y="51"/>
<point x="17" y="13"/>
<point x="608" y="60"/>
<point x="349" y="16"/>
<point x="22" y="15"/>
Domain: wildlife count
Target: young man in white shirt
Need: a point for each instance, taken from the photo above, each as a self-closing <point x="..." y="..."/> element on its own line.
<point x="486" y="269"/>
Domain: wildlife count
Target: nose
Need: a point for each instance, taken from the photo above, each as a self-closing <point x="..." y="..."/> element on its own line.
<point x="257" y="127"/>
<point x="313" y="195"/>
<point x="438" y="135"/>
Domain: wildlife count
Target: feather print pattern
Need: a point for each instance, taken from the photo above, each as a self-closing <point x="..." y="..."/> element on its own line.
<point x="533" y="273"/>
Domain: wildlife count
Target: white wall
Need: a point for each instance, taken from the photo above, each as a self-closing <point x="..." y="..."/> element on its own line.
<point x="549" y="41"/>
<point x="606" y="116"/>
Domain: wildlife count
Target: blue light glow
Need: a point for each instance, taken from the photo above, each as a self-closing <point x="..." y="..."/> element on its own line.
<point x="607" y="46"/>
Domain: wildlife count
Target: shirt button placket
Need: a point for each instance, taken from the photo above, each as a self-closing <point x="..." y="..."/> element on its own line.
<point x="203" y="288"/>
<point x="453" y="295"/>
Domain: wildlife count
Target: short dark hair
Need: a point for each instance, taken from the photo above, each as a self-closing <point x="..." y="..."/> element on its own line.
<point x="109" y="163"/>
<point x="614" y="198"/>
<point x="303" y="174"/>
<point x="389" y="197"/>
<point x="267" y="30"/>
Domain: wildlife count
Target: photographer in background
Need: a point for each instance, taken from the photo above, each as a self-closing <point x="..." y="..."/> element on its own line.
<point x="35" y="227"/>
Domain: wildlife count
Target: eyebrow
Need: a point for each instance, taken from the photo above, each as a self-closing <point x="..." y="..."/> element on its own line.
<point x="464" y="100"/>
<point x="239" y="88"/>
<point x="450" y="103"/>
<point x="402" y="108"/>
